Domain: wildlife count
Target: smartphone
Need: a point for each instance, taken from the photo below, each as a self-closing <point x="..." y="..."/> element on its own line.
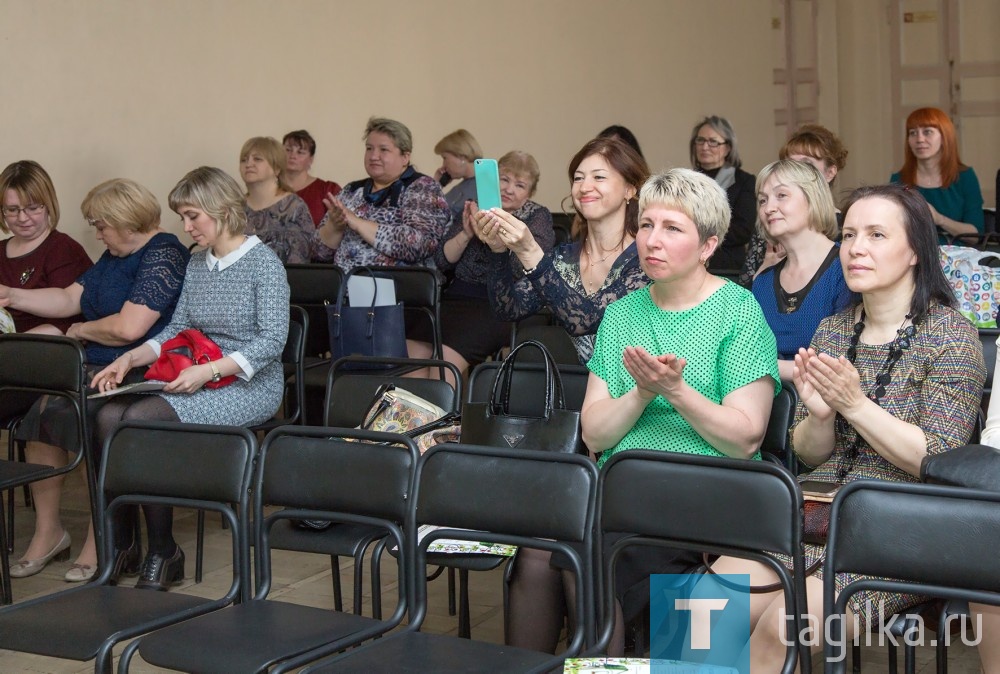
<point x="444" y="179"/>
<point x="487" y="184"/>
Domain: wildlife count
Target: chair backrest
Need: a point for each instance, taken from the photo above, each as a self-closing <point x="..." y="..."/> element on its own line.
<point x="554" y="337"/>
<point x="776" y="440"/>
<point x="537" y="499"/>
<point x="349" y="392"/>
<point x="312" y="286"/>
<point x="350" y="476"/>
<point x="562" y="225"/>
<point x="527" y="386"/>
<point x="717" y="505"/>
<point x="914" y="538"/>
<point x="293" y="358"/>
<point x="188" y="465"/>
<point x="42" y="364"/>
<point x="419" y="289"/>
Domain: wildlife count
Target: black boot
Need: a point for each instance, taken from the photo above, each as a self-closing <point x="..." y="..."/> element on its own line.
<point x="160" y="572"/>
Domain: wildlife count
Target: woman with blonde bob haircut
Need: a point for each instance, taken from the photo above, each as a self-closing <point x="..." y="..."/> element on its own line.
<point x="652" y="386"/>
<point x="35" y="255"/>
<point x="273" y="211"/>
<point x="795" y="210"/>
<point x="236" y="293"/>
<point x="128" y="296"/>
<point x="459" y="151"/>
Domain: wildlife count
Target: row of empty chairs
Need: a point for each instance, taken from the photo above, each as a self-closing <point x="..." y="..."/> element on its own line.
<point x="751" y="509"/>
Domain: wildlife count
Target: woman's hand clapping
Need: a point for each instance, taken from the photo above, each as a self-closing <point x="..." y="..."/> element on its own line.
<point x="827" y="385"/>
<point x="654" y="375"/>
<point x="337" y="213"/>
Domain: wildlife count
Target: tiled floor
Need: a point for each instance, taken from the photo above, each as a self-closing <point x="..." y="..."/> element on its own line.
<point x="305" y="579"/>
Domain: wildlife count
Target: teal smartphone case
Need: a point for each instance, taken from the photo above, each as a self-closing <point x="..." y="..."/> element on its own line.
<point x="487" y="184"/>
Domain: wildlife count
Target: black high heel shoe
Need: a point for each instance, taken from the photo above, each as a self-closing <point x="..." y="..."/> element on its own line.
<point x="160" y="572"/>
<point x="126" y="562"/>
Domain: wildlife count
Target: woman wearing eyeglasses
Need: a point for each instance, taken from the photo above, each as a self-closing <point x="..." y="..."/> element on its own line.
<point x="36" y="255"/>
<point x="714" y="153"/>
<point x="127" y="297"/>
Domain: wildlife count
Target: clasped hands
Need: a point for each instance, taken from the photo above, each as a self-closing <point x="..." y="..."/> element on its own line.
<point x="654" y="375"/>
<point x="827" y="385"/>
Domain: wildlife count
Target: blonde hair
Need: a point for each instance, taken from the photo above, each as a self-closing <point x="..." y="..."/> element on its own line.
<point x="805" y="176"/>
<point x="215" y="192"/>
<point x="33" y="186"/>
<point x="400" y="135"/>
<point x="692" y="193"/>
<point x="460" y="143"/>
<point x="273" y="153"/>
<point x="123" y="204"/>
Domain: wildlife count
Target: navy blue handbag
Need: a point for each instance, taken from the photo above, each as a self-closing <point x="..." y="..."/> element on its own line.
<point x="374" y="331"/>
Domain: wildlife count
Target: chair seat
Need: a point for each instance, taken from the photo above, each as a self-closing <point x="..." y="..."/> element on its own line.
<point x="248" y="637"/>
<point x="15" y="473"/>
<point x="74" y="625"/>
<point x="418" y="652"/>
<point x="339" y="540"/>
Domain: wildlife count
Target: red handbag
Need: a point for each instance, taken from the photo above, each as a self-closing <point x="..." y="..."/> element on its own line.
<point x="190" y="347"/>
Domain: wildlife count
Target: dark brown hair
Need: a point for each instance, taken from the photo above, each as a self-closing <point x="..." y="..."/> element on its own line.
<point x="625" y="161"/>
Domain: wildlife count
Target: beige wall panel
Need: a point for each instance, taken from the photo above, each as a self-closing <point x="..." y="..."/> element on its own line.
<point x="921" y="42"/>
<point x="150" y="89"/>
<point x="979" y="21"/>
<point x="920" y="93"/>
<point x="981" y="89"/>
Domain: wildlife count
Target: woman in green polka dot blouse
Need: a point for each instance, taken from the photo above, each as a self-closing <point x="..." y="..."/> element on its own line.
<point x="686" y="364"/>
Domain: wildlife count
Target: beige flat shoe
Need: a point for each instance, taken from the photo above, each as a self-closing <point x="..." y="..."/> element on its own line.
<point x="79" y="573"/>
<point x="29" y="567"/>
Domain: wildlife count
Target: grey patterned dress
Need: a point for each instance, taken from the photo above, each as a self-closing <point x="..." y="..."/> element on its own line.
<point x="286" y="227"/>
<point x="243" y="307"/>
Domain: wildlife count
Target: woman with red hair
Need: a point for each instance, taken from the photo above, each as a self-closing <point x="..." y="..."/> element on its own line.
<point x="932" y="166"/>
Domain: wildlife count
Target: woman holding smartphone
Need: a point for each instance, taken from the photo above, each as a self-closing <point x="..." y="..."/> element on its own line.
<point x="576" y="280"/>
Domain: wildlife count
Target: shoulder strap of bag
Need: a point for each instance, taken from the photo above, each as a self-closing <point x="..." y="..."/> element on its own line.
<point x="500" y="397"/>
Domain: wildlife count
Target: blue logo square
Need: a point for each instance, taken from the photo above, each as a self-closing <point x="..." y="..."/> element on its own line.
<point x="700" y="619"/>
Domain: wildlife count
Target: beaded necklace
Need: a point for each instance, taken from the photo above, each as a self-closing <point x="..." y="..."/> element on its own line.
<point x="883" y="378"/>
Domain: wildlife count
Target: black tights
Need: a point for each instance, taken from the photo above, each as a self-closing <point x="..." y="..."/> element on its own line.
<point x="540" y="595"/>
<point x="159" y="519"/>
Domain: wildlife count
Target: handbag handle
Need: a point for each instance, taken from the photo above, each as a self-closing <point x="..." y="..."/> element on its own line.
<point x="500" y="397"/>
<point x="342" y="295"/>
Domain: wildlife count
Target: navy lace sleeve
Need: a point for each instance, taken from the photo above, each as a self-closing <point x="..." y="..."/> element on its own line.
<point x="556" y="283"/>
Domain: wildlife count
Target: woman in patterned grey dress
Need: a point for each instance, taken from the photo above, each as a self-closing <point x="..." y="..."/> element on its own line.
<point x="236" y="293"/>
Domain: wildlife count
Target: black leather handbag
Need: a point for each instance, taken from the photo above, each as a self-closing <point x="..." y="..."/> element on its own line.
<point x="556" y="429"/>
<point x="971" y="466"/>
<point x="373" y="330"/>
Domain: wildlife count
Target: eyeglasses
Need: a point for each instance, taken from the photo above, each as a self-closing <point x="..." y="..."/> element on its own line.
<point x="12" y="212"/>
<point x="711" y="142"/>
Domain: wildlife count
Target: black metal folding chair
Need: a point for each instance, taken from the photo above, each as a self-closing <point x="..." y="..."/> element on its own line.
<point x="748" y="509"/>
<point x="171" y="464"/>
<point x="42" y="365"/>
<point x="908" y="538"/>
<point x="543" y="500"/>
<point x="310" y="473"/>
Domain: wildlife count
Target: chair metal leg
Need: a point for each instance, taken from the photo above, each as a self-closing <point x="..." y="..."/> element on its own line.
<point x="451" y="591"/>
<point x="464" y="621"/>
<point x="359" y="567"/>
<point x="338" y="591"/>
<point x="6" y="594"/>
<point x="199" y="555"/>
<point x="893" y="667"/>
<point x="856" y="658"/>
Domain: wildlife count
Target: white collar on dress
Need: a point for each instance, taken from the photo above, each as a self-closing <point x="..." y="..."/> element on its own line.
<point x="232" y="258"/>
